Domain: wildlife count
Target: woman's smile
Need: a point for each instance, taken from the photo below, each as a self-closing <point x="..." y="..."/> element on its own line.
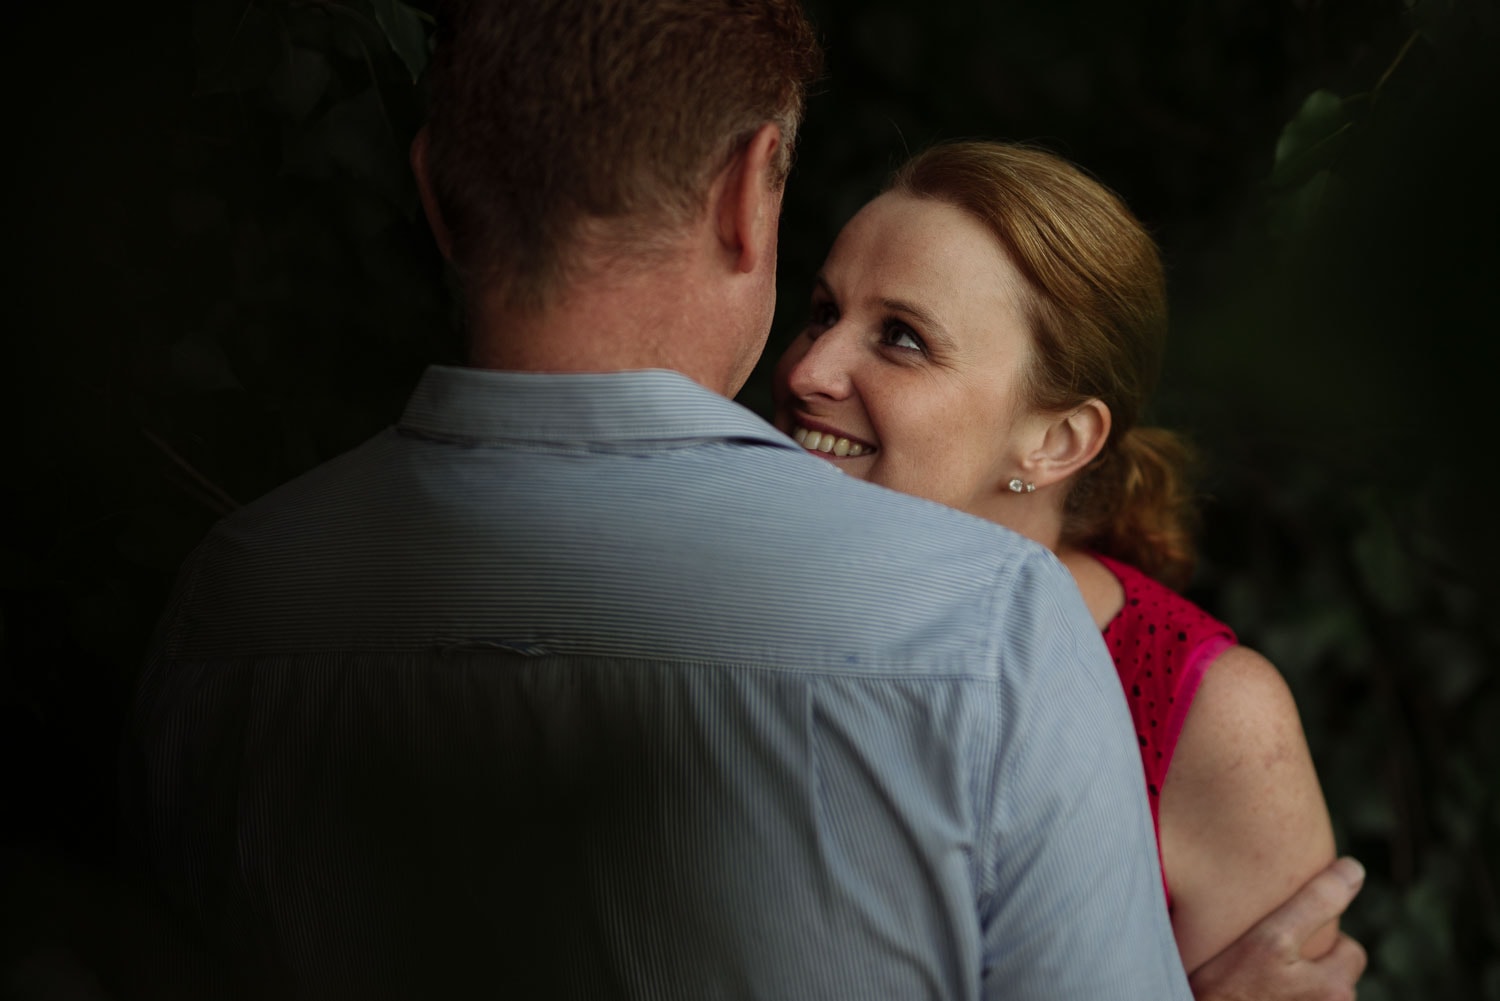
<point x="828" y="442"/>
<point x="908" y="372"/>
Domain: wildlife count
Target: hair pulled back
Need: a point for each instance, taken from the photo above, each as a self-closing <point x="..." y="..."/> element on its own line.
<point x="1098" y="314"/>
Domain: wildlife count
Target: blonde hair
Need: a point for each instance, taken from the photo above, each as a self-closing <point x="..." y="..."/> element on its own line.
<point x="1098" y="314"/>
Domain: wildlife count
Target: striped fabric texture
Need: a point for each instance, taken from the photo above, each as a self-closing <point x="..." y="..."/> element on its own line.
<point x="596" y="686"/>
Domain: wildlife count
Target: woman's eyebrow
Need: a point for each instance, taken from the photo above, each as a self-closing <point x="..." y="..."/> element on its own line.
<point x="912" y="310"/>
<point x="932" y="328"/>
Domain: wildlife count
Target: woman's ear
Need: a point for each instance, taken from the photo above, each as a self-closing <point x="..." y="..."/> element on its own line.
<point x="429" y="200"/>
<point x="1070" y="442"/>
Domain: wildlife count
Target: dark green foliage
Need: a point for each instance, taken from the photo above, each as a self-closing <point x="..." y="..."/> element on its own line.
<point x="1351" y="537"/>
<point x="226" y="280"/>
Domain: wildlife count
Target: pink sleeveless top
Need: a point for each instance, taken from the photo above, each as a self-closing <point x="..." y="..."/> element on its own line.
<point x="1161" y="644"/>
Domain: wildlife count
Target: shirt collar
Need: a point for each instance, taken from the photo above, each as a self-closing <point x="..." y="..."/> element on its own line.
<point x="476" y="405"/>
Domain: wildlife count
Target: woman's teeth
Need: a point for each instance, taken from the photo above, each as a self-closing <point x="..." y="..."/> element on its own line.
<point x="817" y="441"/>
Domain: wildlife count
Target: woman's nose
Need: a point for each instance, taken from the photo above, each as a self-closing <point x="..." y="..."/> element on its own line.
<point x="820" y="365"/>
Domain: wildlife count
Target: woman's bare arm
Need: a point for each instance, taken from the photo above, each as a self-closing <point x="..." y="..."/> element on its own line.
<point x="1267" y="963"/>
<point x="1243" y="822"/>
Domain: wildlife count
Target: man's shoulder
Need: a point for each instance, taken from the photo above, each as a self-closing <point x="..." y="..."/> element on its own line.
<point x="928" y="581"/>
<point x="763" y="548"/>
<point x="808" y="509"/>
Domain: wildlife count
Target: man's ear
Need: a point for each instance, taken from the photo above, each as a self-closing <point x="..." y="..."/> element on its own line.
<point x="1070" y="442"/>
<point x="429" y="200"/>
<point x="746" y="200"/>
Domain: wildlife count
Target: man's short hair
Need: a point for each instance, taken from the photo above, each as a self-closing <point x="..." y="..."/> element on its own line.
<point x="547" y="115"/>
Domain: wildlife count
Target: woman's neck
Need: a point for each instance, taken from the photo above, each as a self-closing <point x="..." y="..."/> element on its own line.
<point x="1102" y="591"/>
<point x="1039" y="517"/>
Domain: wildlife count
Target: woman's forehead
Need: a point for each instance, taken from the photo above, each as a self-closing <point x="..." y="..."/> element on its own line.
<point x="923" y="250"/>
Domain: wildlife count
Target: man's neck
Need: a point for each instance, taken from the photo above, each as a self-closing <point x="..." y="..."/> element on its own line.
<point x="660" y="319"/>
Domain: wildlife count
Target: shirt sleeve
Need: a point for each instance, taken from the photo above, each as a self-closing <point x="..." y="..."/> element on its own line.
<point x="1071" y="904"/>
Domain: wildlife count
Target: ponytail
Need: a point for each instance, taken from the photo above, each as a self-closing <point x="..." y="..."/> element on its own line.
<point x="1096" y="306"/>
<point x="1135" y="504"/>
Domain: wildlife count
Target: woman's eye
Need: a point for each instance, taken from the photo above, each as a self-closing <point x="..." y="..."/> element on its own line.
<point x="824" y="314"/>
<point x="899" y="335"/>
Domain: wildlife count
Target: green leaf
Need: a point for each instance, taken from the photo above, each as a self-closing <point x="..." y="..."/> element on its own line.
<point x="1295" y="213"/>
<point x="353" y="138"/>
<point x="403" y="29"/>
<point x="1428" y="907"/>
<point x="1384" y="564"/>
<point x="1299" y="645"/>
<point x="236" y="46"/>
<point x="1455" y="666"/>
<point x="1311" y="139"/>
<point x="300" y="82"/>
<point x="1437" y="21"/>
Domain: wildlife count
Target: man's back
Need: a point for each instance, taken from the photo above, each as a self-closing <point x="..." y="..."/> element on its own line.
<point x="593" y="686"/>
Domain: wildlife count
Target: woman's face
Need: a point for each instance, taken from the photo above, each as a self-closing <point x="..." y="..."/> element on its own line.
<point x="909" y="371"/>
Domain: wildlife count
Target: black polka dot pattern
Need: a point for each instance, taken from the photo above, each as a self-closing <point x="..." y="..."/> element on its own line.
<point x="1138" y="646"/>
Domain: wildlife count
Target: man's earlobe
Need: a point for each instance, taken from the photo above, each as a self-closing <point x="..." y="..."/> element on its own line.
<point x="429" y="199"/>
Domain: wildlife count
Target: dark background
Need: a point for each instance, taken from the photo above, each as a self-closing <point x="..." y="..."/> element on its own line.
<point x="219" y="279"/>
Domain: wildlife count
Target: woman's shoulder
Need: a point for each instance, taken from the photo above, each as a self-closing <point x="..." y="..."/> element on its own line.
<point x="1161" y="644"/>
<point x="1155" y="610"/>
<point x="1243" y="710"/>
<point x="1242" y="811"/>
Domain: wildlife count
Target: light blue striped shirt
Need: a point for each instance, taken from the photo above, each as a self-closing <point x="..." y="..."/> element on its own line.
<point x="596" y="686"/>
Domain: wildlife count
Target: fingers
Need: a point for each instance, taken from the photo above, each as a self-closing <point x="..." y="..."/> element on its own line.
<point x="1266" y="963"/>
<point x="1321" y="899"/>
<point x="1350" y="871"/>
<point x="1345" y="962"/>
